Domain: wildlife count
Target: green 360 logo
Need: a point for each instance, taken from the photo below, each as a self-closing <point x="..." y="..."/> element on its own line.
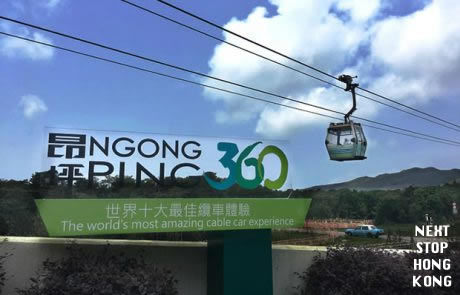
<point x="235" y="168"/>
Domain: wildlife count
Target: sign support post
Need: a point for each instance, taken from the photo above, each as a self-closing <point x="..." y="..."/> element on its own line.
<point x="240" y="262"/>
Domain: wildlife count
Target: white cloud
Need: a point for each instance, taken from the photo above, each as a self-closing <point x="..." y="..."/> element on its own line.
<point x="32" y="105"/>
<point x="360" y="10"/>
<point x="305" y="30"/>
<point x="12" y="47"/>
<point x="417" y="58"/>
<point x="420" y="53"/>
<point x="280" y="122"/>
<point x="52" y="3"/>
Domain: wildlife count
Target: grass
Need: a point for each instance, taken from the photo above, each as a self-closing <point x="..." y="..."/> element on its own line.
<point x="403" y="229"/>
<point x="354" y="241"/>
<point x="317" y="239"/>
<point x="281" y="235"/>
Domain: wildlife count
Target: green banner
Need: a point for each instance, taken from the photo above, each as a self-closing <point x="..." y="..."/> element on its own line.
<point x="72" y="217"/>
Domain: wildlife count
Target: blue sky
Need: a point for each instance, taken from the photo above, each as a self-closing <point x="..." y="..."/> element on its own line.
<point x="405" y="51"/>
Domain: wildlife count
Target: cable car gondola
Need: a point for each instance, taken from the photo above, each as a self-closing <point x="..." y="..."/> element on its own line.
<point x="345" y="141"/>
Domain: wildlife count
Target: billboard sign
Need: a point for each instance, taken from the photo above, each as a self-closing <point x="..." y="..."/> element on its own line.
<point x="88" y="154"/>
<point x="73" y="217"/>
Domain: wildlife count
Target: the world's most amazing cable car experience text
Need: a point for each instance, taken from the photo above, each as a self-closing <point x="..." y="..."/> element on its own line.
<point x="346" y="141"/>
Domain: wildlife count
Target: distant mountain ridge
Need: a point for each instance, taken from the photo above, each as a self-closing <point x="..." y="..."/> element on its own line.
<point x="417" y="177"/>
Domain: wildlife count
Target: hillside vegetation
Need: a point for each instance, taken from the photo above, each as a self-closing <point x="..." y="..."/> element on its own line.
<point x="390" y="206"/>
<point x="417" y="177"/>
<point x="19" y="216"/>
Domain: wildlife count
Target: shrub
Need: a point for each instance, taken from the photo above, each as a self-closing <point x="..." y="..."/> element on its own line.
<point x="3" y="226"/>
<point x="346" y="271"/>
<point x="103" y="273"/>
<point x="2" y="273"/>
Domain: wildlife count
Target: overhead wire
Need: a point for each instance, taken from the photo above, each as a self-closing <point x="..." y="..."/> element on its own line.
<point x="442" y="141"/>
<point x="276" y="62"/>
<point x="409" y="107"/>
<point x="161" y="62"/>
<point x="296" y="60"/>
<point x="226" y="42"/>
<point x="209" y="76"/>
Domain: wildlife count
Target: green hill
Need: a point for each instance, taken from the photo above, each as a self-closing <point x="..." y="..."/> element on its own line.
<point x="416" y="177"/>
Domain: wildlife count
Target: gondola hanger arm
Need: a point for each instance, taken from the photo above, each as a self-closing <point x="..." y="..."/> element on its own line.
<point x="350" y="86"/>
